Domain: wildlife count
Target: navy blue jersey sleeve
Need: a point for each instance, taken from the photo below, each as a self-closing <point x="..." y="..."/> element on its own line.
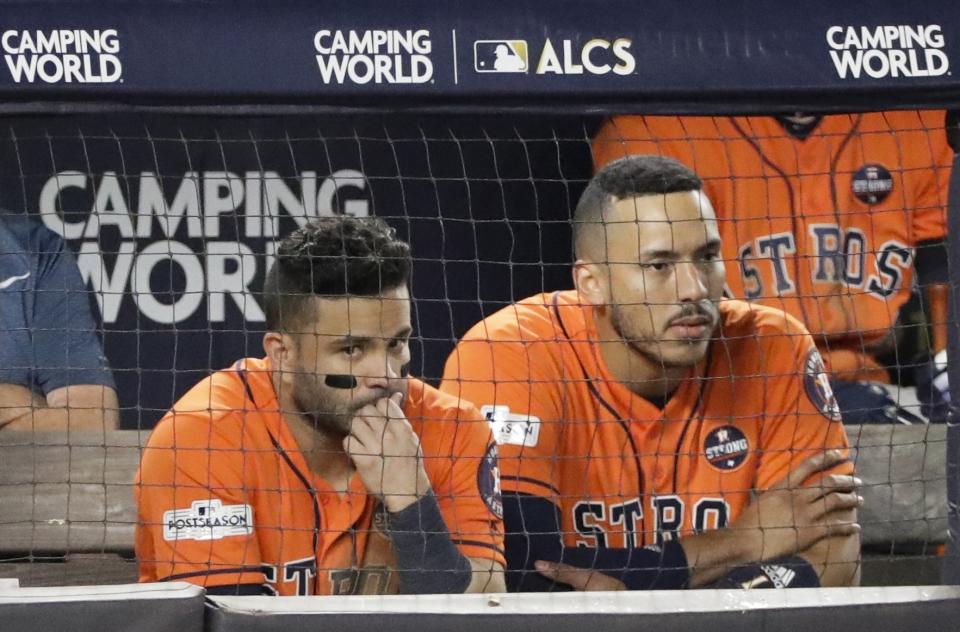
<point x="49" y="331"/>
<point x="931" y="262"/>
<point x="532" y="532"/>
<point x="532" y="527"/>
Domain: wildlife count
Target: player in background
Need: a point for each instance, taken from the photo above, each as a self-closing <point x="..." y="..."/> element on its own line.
<point x="826" y="217"/>
<point x="53" y="375"/>
<point x="323" y="468"/>
<point x="647" y="428"/>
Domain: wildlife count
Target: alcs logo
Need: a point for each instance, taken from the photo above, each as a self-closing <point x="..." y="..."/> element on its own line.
<point x="67" y="56"/>
<point x="596" y="57"/>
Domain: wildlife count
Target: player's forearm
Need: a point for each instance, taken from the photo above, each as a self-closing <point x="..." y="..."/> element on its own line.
<point x="487" y="576"/>
<point x="836" y="560"/>
<point x="712" y="554"/>
<point x="64" y="419"/>
<point x="76" y="408"/>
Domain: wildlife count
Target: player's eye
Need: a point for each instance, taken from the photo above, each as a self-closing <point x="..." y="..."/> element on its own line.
<point x="657" y="266"/>
<point x="352" y="351"/>
<point x="711" y="256"/>
<point x="397" y="344"/>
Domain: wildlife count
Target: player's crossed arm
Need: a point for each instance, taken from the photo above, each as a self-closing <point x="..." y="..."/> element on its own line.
<point x="387" y="454"/>
<point x="760" y="548"/>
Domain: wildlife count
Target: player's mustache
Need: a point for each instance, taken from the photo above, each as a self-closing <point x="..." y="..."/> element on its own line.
<point x="707" y="311"/>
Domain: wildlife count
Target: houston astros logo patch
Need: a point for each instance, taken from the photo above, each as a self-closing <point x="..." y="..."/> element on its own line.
<point x="817" y="384"/>
<point x="726" y="448"/>
<point x="488" y="481"/>
<point x="872" y="183"/>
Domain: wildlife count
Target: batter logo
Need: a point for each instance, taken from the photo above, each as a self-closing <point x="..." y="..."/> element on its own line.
<point x="872" y="183"/>
<point x="888" y="51"/>
<point x="63" y="56"/>
<point x="818" y="387"/>
<point x="488" y="481"/>
<point x="726" y="448"/>
<point x="500" y="56"/>
<point x="375" y="56"/>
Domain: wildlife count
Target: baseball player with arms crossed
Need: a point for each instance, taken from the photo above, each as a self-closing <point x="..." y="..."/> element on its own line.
<point x="825" y="217"/>
<point x="53" y="375"/>
<point x="649" y="429"/>
<point x="322" y="468"/>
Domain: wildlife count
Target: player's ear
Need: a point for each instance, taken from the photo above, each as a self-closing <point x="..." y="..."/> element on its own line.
<point x="277" y="348"/>
<point x="588" y="283"/>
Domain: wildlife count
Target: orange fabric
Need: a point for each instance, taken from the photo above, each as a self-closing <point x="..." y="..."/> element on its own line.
<point x="226" y="442"/>
<point x="775" y="194"/>
<point x="609" y="458"/>
<point x="847" y="364"/>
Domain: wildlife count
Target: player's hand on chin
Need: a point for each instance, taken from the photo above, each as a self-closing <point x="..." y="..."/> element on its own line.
<point x="582" y="579"/>
<point x="792" y="516"/>
<point x="386" y="452"/>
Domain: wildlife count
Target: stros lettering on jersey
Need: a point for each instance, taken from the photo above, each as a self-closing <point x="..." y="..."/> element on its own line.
<point x="623" y="472"/>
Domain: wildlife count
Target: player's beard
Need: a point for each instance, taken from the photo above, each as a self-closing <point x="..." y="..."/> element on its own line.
<point x="315" y="402"/>
<point x="649" y="347"/>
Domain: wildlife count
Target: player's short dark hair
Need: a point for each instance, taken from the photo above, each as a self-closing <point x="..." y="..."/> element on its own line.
<point x="332" y="257"/>
<point x="633" y="176"/>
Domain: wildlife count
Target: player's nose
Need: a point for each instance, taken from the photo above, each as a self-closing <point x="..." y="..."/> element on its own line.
<point x="691" y="283"/>
<point x="381" y="376"/>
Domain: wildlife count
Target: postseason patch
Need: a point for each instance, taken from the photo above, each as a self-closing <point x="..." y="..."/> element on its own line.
<point x="872" y="183"/>
<point x="818" y="388"/>
<point x="488" y="481"/>
<point x="207" y="520"/>
<point x="726" y="448"/>
<point x="510" y="428"/>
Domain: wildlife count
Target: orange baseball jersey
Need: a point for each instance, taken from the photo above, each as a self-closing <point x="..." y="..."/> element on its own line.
<point x="225" y="497"/>
<point x="823" y="228"/>
<point x="623" y="472"/>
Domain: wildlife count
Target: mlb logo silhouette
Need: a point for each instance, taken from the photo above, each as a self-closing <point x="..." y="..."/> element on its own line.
<point x="500" y="56"/>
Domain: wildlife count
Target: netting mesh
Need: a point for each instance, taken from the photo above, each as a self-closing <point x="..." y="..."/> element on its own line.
<point x="174" y="222"/>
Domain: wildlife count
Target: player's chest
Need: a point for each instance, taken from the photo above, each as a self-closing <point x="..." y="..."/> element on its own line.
<point x="314" y="541"/>
<point x="639" y="489"/>
<point x="841" y="176"/>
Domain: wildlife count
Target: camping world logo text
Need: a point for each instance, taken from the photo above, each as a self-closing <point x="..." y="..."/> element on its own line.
<point x="879" y="52"/>
<point x="63" y="56"/>
<point x="375" y="56"/>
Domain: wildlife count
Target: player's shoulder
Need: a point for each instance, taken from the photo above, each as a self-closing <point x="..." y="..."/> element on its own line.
<point x="902" y="121"/>
<point x="752" y="322"/>
<point x="215" y="410"/>
<point x="441" y="419"/>
<point x="533" y="319"/>
<point x="28" y="234"/>
<point x="427" y="402"/>
<point x="662" y="128"/>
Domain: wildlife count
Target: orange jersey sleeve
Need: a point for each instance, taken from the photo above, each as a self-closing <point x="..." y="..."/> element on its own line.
<point x="195" y="515"/>
<point x="460" y="458"/>
<point x="506" y="367"/>
<point x="803" y="419"/>
<point x="929" y="149"/>
<point x="623" y="136"/>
